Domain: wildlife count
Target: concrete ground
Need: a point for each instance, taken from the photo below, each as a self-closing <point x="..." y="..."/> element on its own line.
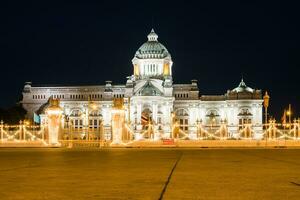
<point x="149" y="174"/>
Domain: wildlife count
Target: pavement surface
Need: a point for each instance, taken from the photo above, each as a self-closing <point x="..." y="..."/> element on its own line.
<point x="149" y="174"/>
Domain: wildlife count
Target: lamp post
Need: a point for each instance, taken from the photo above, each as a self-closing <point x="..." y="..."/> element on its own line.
<point x="1" y="130"/>
<point x="289" y="114"/>
<point x="266" y="105"/>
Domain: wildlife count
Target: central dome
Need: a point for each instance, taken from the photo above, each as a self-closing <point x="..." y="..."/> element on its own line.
<point x="152" y="48"/>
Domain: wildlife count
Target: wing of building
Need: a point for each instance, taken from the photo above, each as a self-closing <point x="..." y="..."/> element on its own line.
<point x="150" y="96"/>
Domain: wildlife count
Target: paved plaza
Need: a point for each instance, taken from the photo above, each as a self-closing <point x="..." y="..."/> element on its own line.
<point x="36" y="173"/>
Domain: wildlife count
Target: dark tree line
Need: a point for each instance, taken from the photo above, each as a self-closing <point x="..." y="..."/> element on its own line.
<point x="12" y="115"/>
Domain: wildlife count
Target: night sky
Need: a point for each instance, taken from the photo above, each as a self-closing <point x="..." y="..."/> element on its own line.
<point x="216" y="42"/>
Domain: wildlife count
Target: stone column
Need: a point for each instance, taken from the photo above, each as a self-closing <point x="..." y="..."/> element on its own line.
<point x="118" y="121"/>
<point x="167" y="121"/>
<point x="138" y="124"/>
<point x="156" y="134"/>
<point x="139" y="113"/>
<point x="154" y="112"/>
<point x="86" y="122"/>
<point x="192" y="126"/>
<point x="106" y="113"/>
<point x="54" y="115"/>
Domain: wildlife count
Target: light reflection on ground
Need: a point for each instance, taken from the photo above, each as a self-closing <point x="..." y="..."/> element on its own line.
<point x="142" y="174"/>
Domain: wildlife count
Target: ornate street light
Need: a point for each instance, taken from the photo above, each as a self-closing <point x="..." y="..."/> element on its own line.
<point x="266" y="105"/>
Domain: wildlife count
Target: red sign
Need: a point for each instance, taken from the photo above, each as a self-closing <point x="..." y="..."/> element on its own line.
<point x="168" y="141"/>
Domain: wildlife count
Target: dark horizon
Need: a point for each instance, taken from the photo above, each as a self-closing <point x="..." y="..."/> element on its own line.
<point x="216" y="43"/>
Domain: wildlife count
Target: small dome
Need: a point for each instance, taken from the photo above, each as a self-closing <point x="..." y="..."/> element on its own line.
<point x="152" y="48"/>
<point x="242" y="88"/>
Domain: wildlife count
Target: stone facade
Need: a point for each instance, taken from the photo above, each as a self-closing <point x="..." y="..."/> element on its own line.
<point x="150" y="97"/>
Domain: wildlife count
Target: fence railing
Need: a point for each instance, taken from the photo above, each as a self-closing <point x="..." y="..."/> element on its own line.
<point x="94" y="137"/>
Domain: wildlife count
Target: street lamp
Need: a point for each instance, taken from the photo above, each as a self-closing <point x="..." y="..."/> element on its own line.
<point x="266" y="105"/>
<point x="289" y="114"/>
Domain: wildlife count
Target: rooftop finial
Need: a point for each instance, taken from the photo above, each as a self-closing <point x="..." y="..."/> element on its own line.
<point x="242" y="83"/>
<point x="152" y="36"/>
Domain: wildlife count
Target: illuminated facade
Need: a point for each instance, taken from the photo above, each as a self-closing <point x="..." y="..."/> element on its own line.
<point x="152" y="100"/>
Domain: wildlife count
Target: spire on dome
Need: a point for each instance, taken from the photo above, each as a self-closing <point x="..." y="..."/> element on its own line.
<point x="242" y="83"/>
<point x="152" y="36"/>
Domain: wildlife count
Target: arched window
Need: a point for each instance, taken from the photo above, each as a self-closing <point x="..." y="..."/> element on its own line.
<point x="212" y="117"/>
<point x="182" y="119"/>
<point x="95" y="113"/>
<point x="76" y="113"/>
<point x="245" y="117"/>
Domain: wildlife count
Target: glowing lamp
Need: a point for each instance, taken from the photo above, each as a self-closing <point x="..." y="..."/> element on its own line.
<point x="94" y="107"/>
<point x="266" y="100"/>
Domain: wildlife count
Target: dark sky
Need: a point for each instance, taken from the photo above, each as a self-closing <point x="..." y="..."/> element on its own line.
<point x="216" y="42"/>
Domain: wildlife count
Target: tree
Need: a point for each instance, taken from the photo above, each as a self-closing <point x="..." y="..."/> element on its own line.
<point x="12" y="115"/>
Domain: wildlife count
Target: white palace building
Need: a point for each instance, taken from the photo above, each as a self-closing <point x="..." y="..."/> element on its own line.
<point x="151" y="97"/>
